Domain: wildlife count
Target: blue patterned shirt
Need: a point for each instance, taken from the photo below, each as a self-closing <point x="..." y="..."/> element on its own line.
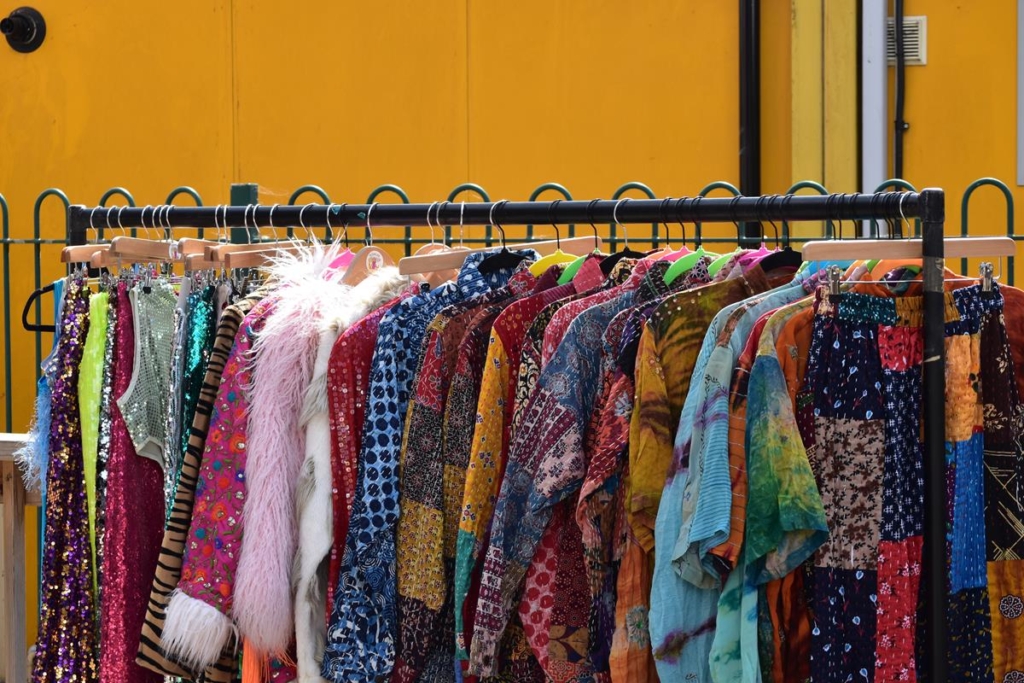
<point x="361" y="634"/>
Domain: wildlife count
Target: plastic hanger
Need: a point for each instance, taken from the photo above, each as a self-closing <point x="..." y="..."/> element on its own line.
<point x="609" y="263"/>
<point x="783" y="257"/>
<point x="686" y="263"/>
<point x="721" y="261"/>
<point x="504" y="259"/>
<point x="570" y="271"/>
<point x="558" y="256"/>
<point x="683" y="250"/>
<point x="367" y="260"/>
<point x="32" y="327"/>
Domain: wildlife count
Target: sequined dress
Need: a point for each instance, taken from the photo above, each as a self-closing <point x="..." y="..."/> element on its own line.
<point x="66" y="646"/>
<point x="134" y="524"/>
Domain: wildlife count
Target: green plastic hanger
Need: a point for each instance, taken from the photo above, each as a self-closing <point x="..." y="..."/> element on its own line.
<point x="570" y="271"/>
<point x="720" y="262"/>
<point x="686" y="263"/>
<point x="669" y="254"/>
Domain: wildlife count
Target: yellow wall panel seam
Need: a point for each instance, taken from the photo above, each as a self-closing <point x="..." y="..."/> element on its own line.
<point x="236" y="156"/>
<point x="469" y="95"/>
<point x="807" y="96"/>
<point x="840" y="96"/>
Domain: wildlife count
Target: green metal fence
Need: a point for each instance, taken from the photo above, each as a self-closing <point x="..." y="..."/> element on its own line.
<point x="667" y="232"/>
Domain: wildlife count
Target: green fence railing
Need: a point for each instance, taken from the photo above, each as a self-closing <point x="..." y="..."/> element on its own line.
<point x="965" y="203"/>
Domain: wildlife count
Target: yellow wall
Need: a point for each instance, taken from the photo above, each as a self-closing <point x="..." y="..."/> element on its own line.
<point x="350" y="95"/>
<point x="962" y="107"/>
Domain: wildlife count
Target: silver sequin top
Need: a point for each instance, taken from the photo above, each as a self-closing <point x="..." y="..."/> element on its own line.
<point x="144" y="404"/>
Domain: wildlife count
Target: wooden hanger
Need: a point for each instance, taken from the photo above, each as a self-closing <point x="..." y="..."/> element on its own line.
<point x="954" y="247"/>
<point x="196" y="262"/>
<point x="81" y="253"/>
<point x="428" y="263"/>
<point x="219" y="249"/>
<point x="257" y="258"/>
<point x="436" y="278"/>
<point x="254" y="255"/>
<point x="141" y="250"/>
<point x="216" y="251"/>
<point x="101" y="258"/>
<point x="366" y="261"/>
<point x="187" y="246"/>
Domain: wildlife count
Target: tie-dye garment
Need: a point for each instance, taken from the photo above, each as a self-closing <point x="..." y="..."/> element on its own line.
<point x="668" y="352"/>
<point x="698" y="515"/>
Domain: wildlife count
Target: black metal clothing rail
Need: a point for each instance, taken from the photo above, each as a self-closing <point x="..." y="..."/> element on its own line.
<point x="928" y="205"/>
<point x="886" y="205"/>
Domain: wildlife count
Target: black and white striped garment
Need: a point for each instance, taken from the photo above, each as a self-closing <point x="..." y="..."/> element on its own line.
<point x="168" y="571"/>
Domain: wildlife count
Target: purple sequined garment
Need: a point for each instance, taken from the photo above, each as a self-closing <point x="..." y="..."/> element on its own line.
<point x="66" y="647"/>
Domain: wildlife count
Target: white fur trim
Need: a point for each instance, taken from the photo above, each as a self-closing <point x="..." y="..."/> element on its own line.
<point x="194" y="632"/>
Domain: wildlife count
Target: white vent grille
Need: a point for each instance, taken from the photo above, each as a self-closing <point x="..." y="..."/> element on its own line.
<point x="915" y="40"/>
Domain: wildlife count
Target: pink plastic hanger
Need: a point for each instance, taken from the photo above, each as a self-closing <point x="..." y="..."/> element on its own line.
<point x="683" y="249"/>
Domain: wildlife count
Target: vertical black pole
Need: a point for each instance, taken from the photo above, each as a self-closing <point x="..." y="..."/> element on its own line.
<point x="899" y="125"/>
<point x="936" y="592"/>
<point x="750" y="109"/>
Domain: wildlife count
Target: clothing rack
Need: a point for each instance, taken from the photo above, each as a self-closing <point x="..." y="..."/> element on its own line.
<point x="927" y="205"/>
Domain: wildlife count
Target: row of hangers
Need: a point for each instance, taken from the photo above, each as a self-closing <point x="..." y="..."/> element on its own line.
<point x="433" y="258"/>
<point x="437" y="262"/>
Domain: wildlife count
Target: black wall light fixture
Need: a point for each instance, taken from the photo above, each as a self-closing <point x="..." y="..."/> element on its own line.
<point x="24" y="28"/>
